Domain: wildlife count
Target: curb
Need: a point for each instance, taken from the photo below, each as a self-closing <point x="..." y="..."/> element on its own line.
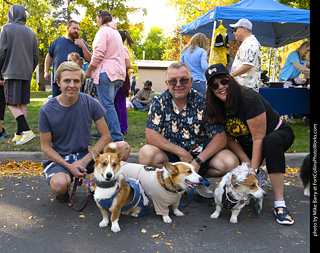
<point x="292" y="159"/>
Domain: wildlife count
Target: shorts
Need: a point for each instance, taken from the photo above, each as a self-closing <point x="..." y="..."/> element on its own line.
<point x="204" y="167"/>
<point x="51" y="168"/>
<point x="17" y="92"/>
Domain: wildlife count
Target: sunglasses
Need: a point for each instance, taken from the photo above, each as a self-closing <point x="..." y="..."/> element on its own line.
<point x="174" y="82"/>
<point x="215" y="86"/>
<point x="236" y="29"/>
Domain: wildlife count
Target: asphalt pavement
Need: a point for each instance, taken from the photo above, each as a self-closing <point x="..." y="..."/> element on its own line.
<point x="31" y="220"/>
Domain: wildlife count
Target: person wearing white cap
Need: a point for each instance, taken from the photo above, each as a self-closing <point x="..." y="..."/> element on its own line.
<point x="247" y="63"/>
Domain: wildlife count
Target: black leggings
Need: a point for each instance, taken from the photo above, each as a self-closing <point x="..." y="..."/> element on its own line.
<point x="274" y="145"/>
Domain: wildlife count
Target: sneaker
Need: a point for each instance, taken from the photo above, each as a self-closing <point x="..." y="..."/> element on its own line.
<point x="283" y="216"/>
<point x="64" y="198"/>
<point x="26" y="136"/>
<point x="17" y="137"/>
<point x="5" y="134"/>
<point x="1" y="137"/>
<point x="203" y="191"/>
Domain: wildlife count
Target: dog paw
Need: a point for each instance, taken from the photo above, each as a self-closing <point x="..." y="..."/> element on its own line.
<point x="178" y="212"/>
<point x="233" y="220"/>
<point x="134" y="215"/>
<point x="166" y="219"/>
<point x="115" y="228"/>
<point x="214" y="215"/>
<point x="103" y="224"/>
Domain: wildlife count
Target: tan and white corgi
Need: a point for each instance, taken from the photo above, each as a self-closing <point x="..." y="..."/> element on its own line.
<point x="113" y="192"/>
<point x="164" y="186"/>
<point x="234" y="189"/>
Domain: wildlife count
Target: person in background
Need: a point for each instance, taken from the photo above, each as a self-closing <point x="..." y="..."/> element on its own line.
<point x="142" y="100"/>
<point x="123" y="92"/>
<point x="195" y="56"/>
<point x="75" y="57"/>
<point x="254" y="130"/>
<point x="247" y="62"/>
<point x="3" y="132"/>
<point x="295" y="63"/>
<point x="108" y="69"/>
<point x="59" y="50"/>
<point x="133" y="81"/>
<point x="19" y="56"/>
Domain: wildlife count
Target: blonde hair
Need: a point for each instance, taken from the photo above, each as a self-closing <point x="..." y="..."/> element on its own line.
<point x="198" y="40"/>
<point x="302" y="49"/>
<point x="69" y="66"/>
<point x="76" y="57"/>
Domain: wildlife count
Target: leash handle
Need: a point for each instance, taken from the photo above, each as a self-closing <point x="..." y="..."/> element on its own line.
<point x="79" y="182"/>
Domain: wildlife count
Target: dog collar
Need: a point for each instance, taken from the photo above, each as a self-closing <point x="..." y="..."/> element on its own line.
<point x="105" y="184"/>
<point x="228" y="200"/>
<point x="165" y="187"/>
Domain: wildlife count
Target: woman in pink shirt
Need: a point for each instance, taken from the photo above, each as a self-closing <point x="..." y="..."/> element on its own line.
<point x="108" y="69"/>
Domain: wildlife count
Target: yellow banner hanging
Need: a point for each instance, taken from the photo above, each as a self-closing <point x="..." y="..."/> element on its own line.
<point x="219" y="51"/>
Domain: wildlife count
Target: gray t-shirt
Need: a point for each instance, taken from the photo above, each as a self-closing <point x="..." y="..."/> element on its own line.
<point x="70" y="126"/>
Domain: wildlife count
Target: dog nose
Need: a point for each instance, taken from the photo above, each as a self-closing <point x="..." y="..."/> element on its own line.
<point x="109" y="175"/>
<point x="200" y="179"/>
<point x="264" y="194"/>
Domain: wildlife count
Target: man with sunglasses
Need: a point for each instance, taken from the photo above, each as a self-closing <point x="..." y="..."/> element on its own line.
<point x="175" y="130"/>
<point x="247" y="63"/>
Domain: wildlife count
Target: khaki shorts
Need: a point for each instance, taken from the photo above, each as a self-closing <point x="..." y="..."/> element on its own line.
<point x="17" y="92"/>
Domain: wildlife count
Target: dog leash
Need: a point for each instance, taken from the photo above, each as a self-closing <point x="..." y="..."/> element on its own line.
<point x="89" y="187"/>
<point x="204" y="182"/>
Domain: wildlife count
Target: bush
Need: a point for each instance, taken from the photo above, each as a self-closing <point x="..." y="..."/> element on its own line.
<point x="34" y="85"/>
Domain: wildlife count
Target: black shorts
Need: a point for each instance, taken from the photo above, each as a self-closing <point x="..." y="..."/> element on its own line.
<point x="17" y="92"/>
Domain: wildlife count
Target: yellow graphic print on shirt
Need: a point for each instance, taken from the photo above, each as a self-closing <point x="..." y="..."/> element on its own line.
<point x="236" y="127"/>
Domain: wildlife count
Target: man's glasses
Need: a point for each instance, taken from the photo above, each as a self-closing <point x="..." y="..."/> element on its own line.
<point x="174" y="82"/>
<point x="215" y="86"/>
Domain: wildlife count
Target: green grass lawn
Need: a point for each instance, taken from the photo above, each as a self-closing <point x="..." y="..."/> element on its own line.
<point x="135" y="135"/>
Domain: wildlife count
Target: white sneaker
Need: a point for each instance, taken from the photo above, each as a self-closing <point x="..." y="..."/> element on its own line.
<point x="16" y="137"/>
<point x="26" y="136"/>
<point x="203" y="191"/>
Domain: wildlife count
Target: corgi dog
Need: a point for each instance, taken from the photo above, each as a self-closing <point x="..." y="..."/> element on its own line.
<point x="234" y="189"/>
<point x="305" y="175"/>
<point x="113" y="192"/>
<point x="164" y="186"/>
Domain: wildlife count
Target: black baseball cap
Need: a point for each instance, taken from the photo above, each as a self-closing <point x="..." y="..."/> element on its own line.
<point x="147" y="83"/>
<point x="215" y="69"/>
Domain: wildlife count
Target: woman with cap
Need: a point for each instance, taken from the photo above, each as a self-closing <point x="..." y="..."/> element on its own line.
<point x="255" y="131"/>
<point x="195" y="56"/>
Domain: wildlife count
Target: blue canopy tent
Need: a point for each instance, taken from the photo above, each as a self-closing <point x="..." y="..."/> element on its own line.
<point x="274" y="24"/>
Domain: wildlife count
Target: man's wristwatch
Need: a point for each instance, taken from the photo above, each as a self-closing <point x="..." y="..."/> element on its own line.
<point x="198" y="160"/>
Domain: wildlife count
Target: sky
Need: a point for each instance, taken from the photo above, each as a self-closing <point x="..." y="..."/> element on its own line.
<point x="158" y="15"/>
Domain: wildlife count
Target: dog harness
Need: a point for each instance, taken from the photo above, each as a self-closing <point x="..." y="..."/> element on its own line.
<point x="228" y="200"/>
<point x="138" y="199"/>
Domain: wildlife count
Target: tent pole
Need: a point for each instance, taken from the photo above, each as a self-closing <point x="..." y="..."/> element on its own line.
<point x="180" y="44"/>
<point x="274" y="64"/>
<point x="270" y="54"/>
<point x="212" y="40"/>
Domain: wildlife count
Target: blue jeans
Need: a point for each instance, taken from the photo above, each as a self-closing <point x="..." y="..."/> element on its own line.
<point x="201" y="87"/>
<point x="141" y="107"/>
<point x="107" y="91"/>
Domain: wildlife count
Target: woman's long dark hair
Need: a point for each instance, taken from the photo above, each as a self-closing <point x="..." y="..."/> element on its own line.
<point x="105" y="15"/>
<point x="216" y="109"/>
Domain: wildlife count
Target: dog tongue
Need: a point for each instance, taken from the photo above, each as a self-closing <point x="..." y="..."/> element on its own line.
<point x="191" y="183"/>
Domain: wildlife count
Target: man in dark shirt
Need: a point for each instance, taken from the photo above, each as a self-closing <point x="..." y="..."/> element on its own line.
<point x="59" y="50"/>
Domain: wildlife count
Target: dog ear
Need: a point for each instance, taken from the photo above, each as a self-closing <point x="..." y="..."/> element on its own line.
<point x="234" y="181"/>
<point x="122" y="152"/>
<point x="110" y="148"/>
<point x="95" y="155"/>
<point x="171" y="168"/>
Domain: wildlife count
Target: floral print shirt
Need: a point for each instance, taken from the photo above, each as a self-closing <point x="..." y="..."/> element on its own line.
<point x="183" y="128"/>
